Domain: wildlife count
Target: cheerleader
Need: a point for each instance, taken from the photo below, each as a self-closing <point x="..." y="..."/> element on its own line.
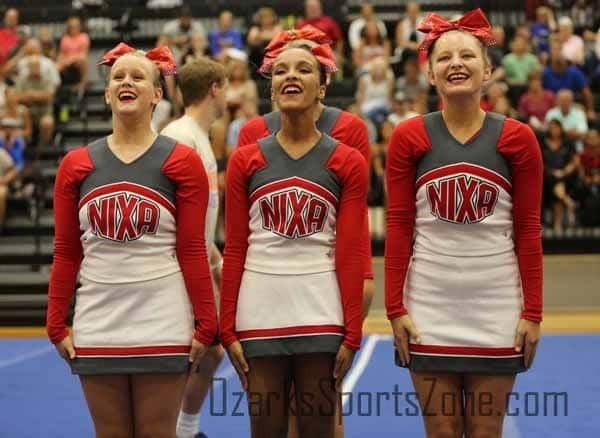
<point x="129" y="219"/>
<point x="465" y="296"/>
<point x="291" y="296"/>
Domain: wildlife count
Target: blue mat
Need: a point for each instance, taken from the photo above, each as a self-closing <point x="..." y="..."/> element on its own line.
<point x="40" y="398"/>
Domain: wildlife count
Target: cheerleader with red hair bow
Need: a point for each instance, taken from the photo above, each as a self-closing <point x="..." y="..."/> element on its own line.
<point x="463" y="257"/>
<point x="341" y="125"/>
<point x="129" y="220"/>
<point x="291" y="292"/>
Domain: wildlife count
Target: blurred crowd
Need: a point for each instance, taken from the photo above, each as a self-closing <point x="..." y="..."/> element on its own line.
<point x="545" y="73"/>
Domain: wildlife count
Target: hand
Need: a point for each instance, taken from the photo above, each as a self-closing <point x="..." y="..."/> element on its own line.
<point x="557" y="173"/>
<point x="236" y="355"/>
<point x="404" y="331"/>
<point x="343" y="362"/>
<point x="526" y="340"/>
<point x="65" y="348"/>
<point x="197" y="350"/>
<point x="591" y="115"/>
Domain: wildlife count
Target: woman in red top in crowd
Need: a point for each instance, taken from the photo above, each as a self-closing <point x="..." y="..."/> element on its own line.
<point x="291" y="295"/>
<point x="129" y="220"/>
<point x="465" y="296"/>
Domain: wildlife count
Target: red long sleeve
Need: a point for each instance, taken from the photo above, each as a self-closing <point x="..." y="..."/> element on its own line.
<point x="237" y="219"/>
<point x="185" y="168"/>
<point x="400" y="220"/>
<point x="522" y="150"/>
<point x="350" y="247"/>
<point x="252" y="131"/>
<point x="68" y="251"/>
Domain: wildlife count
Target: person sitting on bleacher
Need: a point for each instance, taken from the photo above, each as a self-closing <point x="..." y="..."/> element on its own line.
<point x="572" y="45"/>
<point x="225" y="36"/>
<point x="180" y="30"/>
<point x="8" y="173"/>
<point x="73" y="54"/>
<point x="36" y="92"/>
<point x="12" y="142"/>
<point x="571" y="117"/>
<point x="8" y="34"/>
<point x="519" y="63"/>
<point x="18" y="65"/>
<point x="536" y="102"/>
<point x="13" y="110"/>
<point x="559" y="74"/>
<point x="590" y="175"/>
<point x="367" y="14"/>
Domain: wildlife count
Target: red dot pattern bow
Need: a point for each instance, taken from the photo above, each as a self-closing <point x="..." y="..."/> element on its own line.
<point x="321" y="50"/>
<point x="160" y="56"/>
<point x="474" y="22"/>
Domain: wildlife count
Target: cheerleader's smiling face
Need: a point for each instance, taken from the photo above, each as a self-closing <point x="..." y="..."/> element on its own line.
<point x="296" y="82"/>
<point x="458" y="64"/>
<point x="134" y="86"/>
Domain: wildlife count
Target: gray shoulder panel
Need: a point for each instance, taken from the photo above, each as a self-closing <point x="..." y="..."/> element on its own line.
<point x="312" y="166"/>
<point x="481" y="150"/>
<point x="146" y="170"/>
<point x="273" y="121"/>
<point x="328" y="119"/>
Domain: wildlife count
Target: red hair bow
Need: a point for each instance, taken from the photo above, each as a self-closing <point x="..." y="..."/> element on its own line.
<point x="308" y="32"/>
<point x="321" y="50"/>
<point x="160" y="56"/>
<point x="474" y="22"/>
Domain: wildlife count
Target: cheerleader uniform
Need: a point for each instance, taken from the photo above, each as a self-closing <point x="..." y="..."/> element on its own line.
<point x="341" y="125"/>
<point x="135" y="234"/>
<point x="475" y="267"/>
<point x="293" y="264"/>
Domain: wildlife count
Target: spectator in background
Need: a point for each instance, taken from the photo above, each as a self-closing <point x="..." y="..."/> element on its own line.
<point x="12" y="110"/>
<point x="519" y="63"/>
<point x="18" y="65"/>
<point x="559" y="74"/>
<point x="259" y="35"/>
<point x="47" y="43"/>
<point x="8" y="173"/>
<point x="407" y="37"/>
<point x="367" y="14"/>
<point x="536" y="102"/>
<point x="12" y="142"/>
<point x="582" y="13"/>
<point x="74" y="49"/>
<point x="572" y="45"/>
<point x="8" y="34"/>
<point x="313" y="16"/>
<point x="374" y="91"/>
<point x="225" y="35"/>
<point x="496" y="53"/>
<point x="197" y="48"/>
<point x="36" y="92"/>
<point x="590" y="175"/>
<point x="400" y="109"/>
<point x="180" y="30"/>
<point x="541" y="30"/>
<point x="241" y="88"/>
<point x="571" y="118"/>
<point x="413" y="83"/>
<point x="560" y="165"/>
<point x="248" y="109"/>
<point x="372" y="45"/>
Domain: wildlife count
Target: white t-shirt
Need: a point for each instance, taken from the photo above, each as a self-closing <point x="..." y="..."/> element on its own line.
<point x="186" y="131"/>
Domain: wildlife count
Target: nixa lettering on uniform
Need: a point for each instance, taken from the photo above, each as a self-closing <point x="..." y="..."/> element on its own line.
<point x="462" y="199"/>
<point x="293" y="213"/>
<point x="123" y="217"/>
